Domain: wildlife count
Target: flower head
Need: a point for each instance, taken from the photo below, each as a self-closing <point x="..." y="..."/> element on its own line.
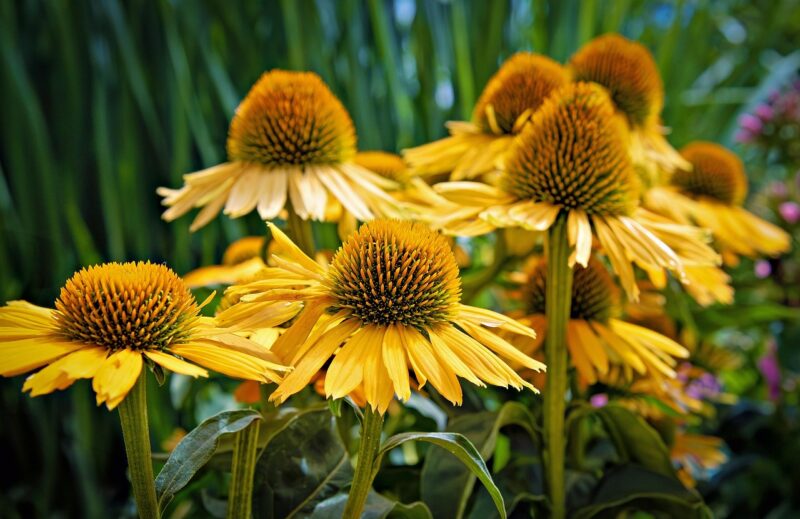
<point x="573" y="154"/>
<point x="290" y="140"/>
<point x="291" y="118"/>
<point x="627" y="69"/>
<point x="716" y="173"/>
<point x="516" y="91"/>
<point x="108" y="320"/>
<point x="388" y="302"/>
<point x="506" y="104"/>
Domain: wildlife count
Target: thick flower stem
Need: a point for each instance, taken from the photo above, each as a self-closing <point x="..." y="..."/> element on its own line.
<point x="301" y="233"/>
<point x="558" y="298"/>
<point x="136" y="433"/>
<point x="365" y="471"/>
<point x="240" y="492"/>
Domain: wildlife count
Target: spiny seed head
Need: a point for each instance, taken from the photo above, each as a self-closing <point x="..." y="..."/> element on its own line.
<point x="595" y="297"/>
<point x="716" y="173"/>
<point x="138" y="306"/>
<point x="243" y="249"/>
<point x="291" y="118"/>
<point x="522" y="84"/>
<point x="629" y="72"/>
<point x="387" y="165"/>
<point x="573" y="153"/>
<point x="392" y="272"/>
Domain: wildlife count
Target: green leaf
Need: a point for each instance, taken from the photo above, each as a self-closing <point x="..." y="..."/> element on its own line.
<point x="196" y="448"/>
<point x="376" y="507"/>
<point x="446" y="485"/>
<point x="303" y="464"/>
<point x="461" y="448"/>
<point x="635" y="440"/>
<point x="631" y="488"/>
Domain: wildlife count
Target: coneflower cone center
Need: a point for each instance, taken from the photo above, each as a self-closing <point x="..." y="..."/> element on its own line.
<point x="522" y="84"/>
<point x="136" y="306"/>
<point x="573" y="153"/>
<point x="291" y="119"/>
<point x="716" y="173"/>
<point x="392" y="272"/>
<point x="627" y="70"/>
<point x="594" y="295"/>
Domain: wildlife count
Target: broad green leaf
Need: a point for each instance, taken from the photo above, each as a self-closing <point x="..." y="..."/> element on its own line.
<point x="196" y="448"/>
<point x="461" y="448"/>
<point x="635" y="440"/>
<point x="303" y="464"/>
<point x="632" y="488"/>
<point x="446" y="484"/>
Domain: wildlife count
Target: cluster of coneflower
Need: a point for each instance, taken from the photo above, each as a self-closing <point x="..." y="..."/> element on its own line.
<point x="570" y="161"/>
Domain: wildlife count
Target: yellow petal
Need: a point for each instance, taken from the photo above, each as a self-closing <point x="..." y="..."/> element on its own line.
<point x="394" y="358"/>
<point x="287" y="246"/>
<point x="429" y="368"/>
<point x="346" y="370"/>
<point x="21" y="356"/>
<point x="116" y="377"/>
<point x="175" y="364"/>
<point x="226" y="361"/>
<point x="83" y="363"/>
<point x="378" y="387"/>
<point x="500" y="346"/>
<point x="591" y="345"/>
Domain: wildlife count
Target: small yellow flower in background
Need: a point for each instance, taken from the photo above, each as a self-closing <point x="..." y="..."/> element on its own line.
<point x="710" y="193"/>
<point x="290" y="141"/>
<point x="572" y="157"/>
<point x="242" y="258"/>
<point x="628" y="71"/>
<point x="506" y="104"/>
<point x="598" y="340"/>
<point x="388" y="302"/>
<point x="695" y="454"/>
<point x="110" y="319"/>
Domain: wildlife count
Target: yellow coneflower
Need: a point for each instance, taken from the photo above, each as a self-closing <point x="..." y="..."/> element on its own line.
<point x="597" y="338"/>
<point x="710" y="193"/>
<point x="111" y="319"/>
<point x="695" y="454"/>
<point x="507" y="102"/>
<point x="290" y="140"/>
<point x="627" y="70"/>
<point x="389" y="301"/>
<point x="571" y="157"/>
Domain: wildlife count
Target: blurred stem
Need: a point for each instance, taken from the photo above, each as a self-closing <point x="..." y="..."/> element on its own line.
<point x="473" y="284"/>
<point x="365" y="471"/>
<point x="136" y="433"/>
<point x="245" y="449"/>
<point x="558" y="297"/>
<point x="266" y="391"/>
<point x="300" y="232"/>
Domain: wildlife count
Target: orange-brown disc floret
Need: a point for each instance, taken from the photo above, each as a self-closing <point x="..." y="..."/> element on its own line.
<point x="291" y="118"/>
<point x="595" y="297"/>
<point x="520" y="86"/>
<point x="393" y="272"/>
<point x="627" y="69"/>
<point x="716" y="173"/>
<point x="573" y="154"/>
<point x="133" y="306"/>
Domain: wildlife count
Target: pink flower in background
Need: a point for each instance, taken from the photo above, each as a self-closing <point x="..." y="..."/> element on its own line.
<point x="790" y="211"/>
<point x="764" y="112"/>
<point x="777" y="189"/>
<point x="599" y="400"/>
<point x="751" y="123"/>
<point x="771" y="370"/>
<point x="762" y="268"/>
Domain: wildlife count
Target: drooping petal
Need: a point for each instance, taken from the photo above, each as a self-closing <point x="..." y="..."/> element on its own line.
<point x="116" y="376"/>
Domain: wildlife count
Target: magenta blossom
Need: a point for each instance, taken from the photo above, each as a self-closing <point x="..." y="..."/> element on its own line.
<point x="790" y="211"/>
<point x="762" y="269"/>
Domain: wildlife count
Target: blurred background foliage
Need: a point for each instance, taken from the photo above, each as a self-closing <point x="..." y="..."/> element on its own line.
<point x="104" y="101"/>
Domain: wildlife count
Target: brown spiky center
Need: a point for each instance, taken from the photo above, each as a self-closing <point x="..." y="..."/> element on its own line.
<point x="291" y="119"/>
<point x="138" y="306"/>
<point x="387" y="165"/>
<point x="594" y="295"/>
<point x="573" y="153"/>
<point x="716" y="173"/>
<point x="392" y="272"/>
<point x="518" y="88"/>
<point x="627" y="69"/>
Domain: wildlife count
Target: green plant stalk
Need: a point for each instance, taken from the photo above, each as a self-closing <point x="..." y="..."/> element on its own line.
<point x="558" y="298"/>
<point x="243" y="466"/>
<point x="300" y="232"/>
<point x="473" y="284"/>
<point x="136" y="433"/>
<point x="371" y="427"/>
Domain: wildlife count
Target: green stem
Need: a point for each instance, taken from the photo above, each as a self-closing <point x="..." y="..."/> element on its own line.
<point x="300" y="232"/>
<point x="266" y="391"/>
<point x="365" y="471"/>
<point x="473" y="284"/>
<point x="240" y="493"/>
<point x="558" y="298"/>
<point x="136" y="433"/>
